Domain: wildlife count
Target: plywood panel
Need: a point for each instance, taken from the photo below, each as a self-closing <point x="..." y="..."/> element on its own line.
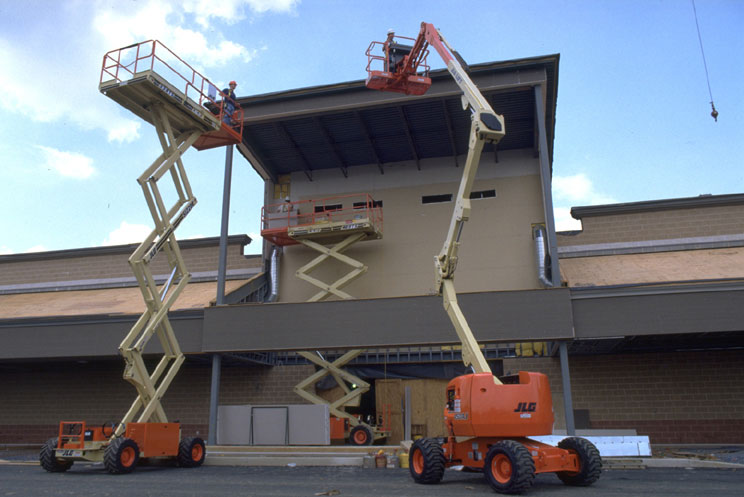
<point x="390" y="393"/>
<point x="427" y="406"/>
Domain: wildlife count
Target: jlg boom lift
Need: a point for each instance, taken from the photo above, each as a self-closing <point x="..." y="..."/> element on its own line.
<point x="186" y="110"/>
<point x="488" y="422"/>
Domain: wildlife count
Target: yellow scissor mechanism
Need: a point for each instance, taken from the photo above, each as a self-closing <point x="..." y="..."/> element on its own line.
<point x="184" y="114"/>
<point x="330" y="226"/>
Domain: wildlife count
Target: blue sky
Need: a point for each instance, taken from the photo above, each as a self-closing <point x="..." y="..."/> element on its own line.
<point x="633" y="108"/>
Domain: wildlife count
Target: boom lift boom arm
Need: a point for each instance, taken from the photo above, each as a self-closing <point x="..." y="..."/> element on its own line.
<point x="486" y="127"/>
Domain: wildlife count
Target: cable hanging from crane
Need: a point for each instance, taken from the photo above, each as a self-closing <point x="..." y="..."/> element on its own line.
<point x="714" y="112"/>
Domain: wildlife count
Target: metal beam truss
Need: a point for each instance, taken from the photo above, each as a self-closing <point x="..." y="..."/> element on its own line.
<point x="151" y="386"/>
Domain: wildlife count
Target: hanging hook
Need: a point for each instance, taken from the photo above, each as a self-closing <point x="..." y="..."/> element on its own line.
<point x="714" y="112"/>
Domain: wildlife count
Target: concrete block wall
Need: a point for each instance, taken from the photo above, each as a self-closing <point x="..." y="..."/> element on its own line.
<point x="87" y="267"/>
<point x="658" y="225"/>
<point x="682" y="397"/>
<point x="37" y="397"/>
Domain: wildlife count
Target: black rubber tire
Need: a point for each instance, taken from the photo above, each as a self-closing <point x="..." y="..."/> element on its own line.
<point x="191" y="452"/>
<point x="360" y="435"/>
<point x="121" y="456"/>
<point x="509" y="467"/>
<point x="426" y="461"/>
<point x="48" y="460"/>
<point x="590" y="462"/>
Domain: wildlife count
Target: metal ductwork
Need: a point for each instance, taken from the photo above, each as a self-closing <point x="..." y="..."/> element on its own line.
<point x="276" y="254"/>
<point x="544" y="266"/>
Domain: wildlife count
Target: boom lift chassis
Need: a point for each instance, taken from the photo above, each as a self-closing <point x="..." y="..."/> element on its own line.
<point x="179" y="125"/>
<point x="488" y="420"/>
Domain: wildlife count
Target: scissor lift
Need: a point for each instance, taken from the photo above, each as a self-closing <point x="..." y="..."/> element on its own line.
<point x="330" y="226"/>
<point x="155" y="84"/>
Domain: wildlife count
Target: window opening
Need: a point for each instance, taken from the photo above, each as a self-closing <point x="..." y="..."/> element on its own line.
<point x="328" y="208"/>
<point x="365" y="205"/>
<point x="483" y="194"/>
<point x="436" y="199"/>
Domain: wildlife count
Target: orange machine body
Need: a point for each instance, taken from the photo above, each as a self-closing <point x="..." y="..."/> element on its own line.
<point x="478" y="407"/>
<point x="153" y="439"/>
<point x="483" y="413"/>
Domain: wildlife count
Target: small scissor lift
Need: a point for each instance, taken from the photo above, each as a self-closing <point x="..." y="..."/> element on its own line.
<point x="330" y="226"/>
<point x="152" y="82"/>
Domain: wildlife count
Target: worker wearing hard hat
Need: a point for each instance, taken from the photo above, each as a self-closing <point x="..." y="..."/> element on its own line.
<point x="229" y="104"/>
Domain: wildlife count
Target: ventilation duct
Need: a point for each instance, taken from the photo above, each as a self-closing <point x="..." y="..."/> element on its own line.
<point x="544" y="269"/>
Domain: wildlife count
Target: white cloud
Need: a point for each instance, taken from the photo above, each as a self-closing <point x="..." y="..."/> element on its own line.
<point x="256" y="244"/>
<point x="232" y="11"/>
<point x="70" y="164"/>
<point x="127" y="233"/>
<point x="578" y="189"/>
<point x="37" y="248"/>
<point x="5" y="250"/>
<point x="573" y="191"/>
<point x="126" y="131"/>
<point x="165" y="21"/>
<point x="48" y="79"/>
<point x="69" y="78"/>
<point x="564" y="221"/>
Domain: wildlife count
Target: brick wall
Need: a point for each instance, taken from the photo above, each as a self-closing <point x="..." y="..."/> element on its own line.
<point x="682" y="397"/>
<point x="37" y="397"/>
<point x="658" y="225"/>
<point x="115" y="265"/>
<point x="685" y="397"/>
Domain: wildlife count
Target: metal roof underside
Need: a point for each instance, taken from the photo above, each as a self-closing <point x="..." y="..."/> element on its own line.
<point x="408" y="130"/>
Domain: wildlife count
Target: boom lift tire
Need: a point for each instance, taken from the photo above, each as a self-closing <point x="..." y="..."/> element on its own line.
<point x="426" y="461"/>
<point x="509" y="467"/>
<point x="48" y="460"/>
<point x="191" y="452"/>
<point x="360" y="435"/>
<point x="589" y="460"/>
<point x="121" y="456"/>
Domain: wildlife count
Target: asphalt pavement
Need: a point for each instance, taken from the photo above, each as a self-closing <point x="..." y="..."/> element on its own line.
<point x="20" y="478"/>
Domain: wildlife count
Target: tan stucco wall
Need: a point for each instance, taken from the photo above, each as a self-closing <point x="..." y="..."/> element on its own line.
<point x="497" y="249"/>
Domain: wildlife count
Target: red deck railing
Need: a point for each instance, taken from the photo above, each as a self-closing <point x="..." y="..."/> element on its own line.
<point x="276" y="219"/>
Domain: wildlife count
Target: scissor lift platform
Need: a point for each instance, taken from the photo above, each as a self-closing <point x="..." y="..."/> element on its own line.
<point x="335" y="231"/>
<point x="326" y="220"/>
<point x="139" y="93"/>
<point x="190" y="101"/>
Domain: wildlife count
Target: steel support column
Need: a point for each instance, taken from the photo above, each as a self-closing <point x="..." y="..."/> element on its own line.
<point x="214" y="397"/>
<point x="546" y="179"/>
<point x="214" y="390"/>
<point x="566" y="380"/>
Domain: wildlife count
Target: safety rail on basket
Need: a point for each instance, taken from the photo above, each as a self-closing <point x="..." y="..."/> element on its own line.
<point x="343" y="208"/>
<point x="384" y="47"/>
<point x="71" y="435"/>
<point x="123" y="64"/>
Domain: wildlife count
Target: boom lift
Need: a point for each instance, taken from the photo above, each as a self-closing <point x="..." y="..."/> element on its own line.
<point x="488" y="421"/>
<point x="185" y="113"/>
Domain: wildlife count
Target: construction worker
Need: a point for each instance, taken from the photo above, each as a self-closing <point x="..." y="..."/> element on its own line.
<point x="230" y="104"/>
